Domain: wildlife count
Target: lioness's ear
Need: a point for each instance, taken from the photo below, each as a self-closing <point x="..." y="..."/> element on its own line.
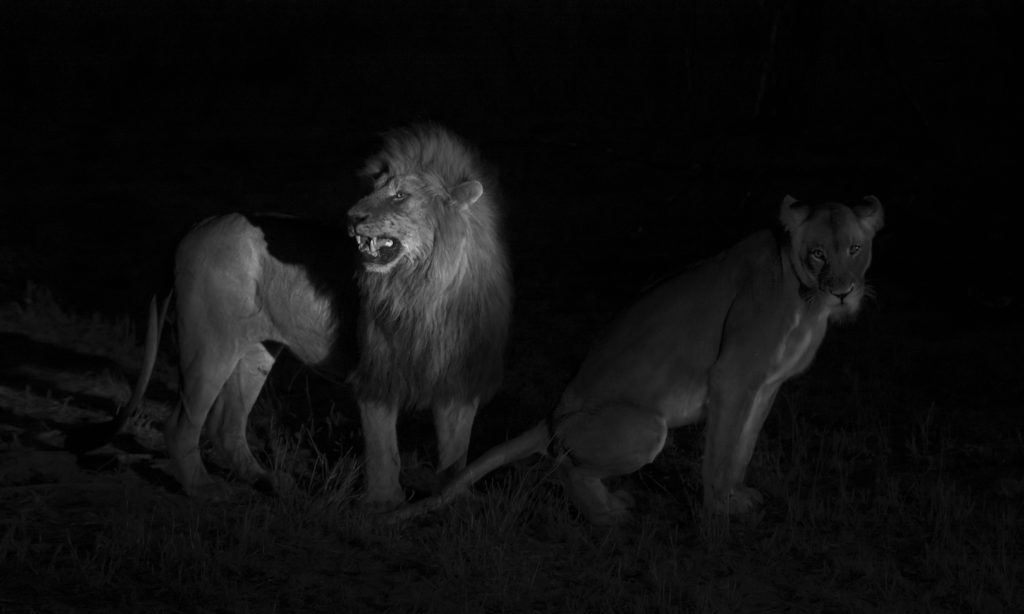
<point x="466" y="194"/>
<point x="792" y="213"/>
<point x="869" y="211"/>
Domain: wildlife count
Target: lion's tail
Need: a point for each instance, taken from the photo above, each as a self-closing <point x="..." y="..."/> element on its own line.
<point x="533" y="441"/>
<point x="96" y="435"/>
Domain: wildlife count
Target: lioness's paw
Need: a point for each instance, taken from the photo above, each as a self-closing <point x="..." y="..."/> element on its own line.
<point x="739" y="501"/>
<point x="615" y="511"/>
<point x="213" y="490"/>
<point x="621" y="500"/>
<point x="609" y="517"/>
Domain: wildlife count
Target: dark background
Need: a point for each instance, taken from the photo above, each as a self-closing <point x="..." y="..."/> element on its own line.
<point x="631" y="139"/>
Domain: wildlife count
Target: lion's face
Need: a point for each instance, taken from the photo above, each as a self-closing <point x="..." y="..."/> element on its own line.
<point x="831" y="250"/>
<point x="394" y="224"/>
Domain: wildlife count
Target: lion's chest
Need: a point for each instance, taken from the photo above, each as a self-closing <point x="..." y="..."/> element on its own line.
<point x="797" y="347"/>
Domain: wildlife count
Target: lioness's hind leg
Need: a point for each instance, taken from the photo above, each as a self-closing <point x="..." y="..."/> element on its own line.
<point x="227" y="423"/>
<point x="612" y="441"/>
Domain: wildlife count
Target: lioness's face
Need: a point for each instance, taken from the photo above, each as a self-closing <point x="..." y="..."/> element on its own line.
<point x="393" y="224"/>
<point x="832" y="250"/>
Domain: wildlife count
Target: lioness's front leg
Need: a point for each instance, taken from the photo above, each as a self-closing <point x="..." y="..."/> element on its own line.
<point x="382" y="462"/>
<point x="735" y="417"/>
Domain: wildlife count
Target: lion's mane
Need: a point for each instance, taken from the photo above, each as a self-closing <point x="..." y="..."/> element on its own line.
<point x="434" y="332"/>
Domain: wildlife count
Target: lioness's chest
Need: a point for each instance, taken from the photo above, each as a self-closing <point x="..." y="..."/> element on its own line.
<point x="796" y="347"/>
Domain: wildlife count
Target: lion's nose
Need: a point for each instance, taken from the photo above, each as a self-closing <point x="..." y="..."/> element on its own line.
<point x="355" y="219"/>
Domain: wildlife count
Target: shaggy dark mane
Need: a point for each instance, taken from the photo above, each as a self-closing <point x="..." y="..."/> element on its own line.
<point x="434" y="332"/>
<point x="438" y="157"/>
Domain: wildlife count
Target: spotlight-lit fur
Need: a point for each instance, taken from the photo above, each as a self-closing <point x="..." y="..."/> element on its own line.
<point x="430" y="319"/>
<point x="714" y="342"/>
<point x="435" y="302"/>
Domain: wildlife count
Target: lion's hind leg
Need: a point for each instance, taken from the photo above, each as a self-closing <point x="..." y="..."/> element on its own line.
<point x="203" y="375"/>
<point x="227" y="423"/>
<point x="615" y="440"/>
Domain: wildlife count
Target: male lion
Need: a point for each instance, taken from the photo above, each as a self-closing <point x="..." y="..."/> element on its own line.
<point x="428" y="310"/>
<point x="716" y="341"/>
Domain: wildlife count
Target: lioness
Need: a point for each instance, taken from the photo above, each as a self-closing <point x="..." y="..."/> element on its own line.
<point x="714" y="342"/>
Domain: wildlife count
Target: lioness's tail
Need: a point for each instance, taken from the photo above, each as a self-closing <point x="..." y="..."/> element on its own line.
<point x="533" y="441"/>
<point x="95" y="435"/>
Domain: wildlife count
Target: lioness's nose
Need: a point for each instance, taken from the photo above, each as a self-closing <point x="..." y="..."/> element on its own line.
<point x="842" y="294"/>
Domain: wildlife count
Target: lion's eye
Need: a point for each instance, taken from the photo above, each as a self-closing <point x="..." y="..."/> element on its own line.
<point x="818" y="254"/>
<point x="399" y="196"/>
<point x="854" y="249"/>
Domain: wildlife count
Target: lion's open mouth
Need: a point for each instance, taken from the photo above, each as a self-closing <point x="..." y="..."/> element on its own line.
<point x="378" y="250"/>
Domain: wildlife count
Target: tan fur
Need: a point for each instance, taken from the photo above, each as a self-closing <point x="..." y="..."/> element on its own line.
<point x="430" y="323"/>
<point x="713" y="343"/>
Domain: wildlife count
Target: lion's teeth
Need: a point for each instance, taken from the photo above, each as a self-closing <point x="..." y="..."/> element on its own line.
<point x="371" y="245"/>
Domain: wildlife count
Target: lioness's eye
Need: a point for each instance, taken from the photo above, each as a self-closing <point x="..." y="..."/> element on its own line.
<point x="399" y="195"/>
<point x="854" y="249"/>
<point x="818" y="253"/>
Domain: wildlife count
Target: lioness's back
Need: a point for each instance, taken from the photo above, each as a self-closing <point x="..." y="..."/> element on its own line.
<point x="674" y="329"/>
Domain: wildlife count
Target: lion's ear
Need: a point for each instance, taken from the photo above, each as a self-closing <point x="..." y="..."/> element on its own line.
<point x="869" y="211"/>
<point x="792" y="213"/>
<point x="466" y="194"/>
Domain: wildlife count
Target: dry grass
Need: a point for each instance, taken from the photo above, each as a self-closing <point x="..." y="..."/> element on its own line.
<point x="861" y="517"/>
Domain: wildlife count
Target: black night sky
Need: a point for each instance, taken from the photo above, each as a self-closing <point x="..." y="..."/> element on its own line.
<point x="631" y="138"/>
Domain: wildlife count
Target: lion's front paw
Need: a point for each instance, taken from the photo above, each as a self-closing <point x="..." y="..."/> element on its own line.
<point x="378" y="503"/>
<point x="277" y="483"/>
<point x="739" y="500"/>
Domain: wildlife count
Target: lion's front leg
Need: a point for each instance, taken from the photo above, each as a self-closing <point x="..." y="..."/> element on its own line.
<point x="383" y="490"/>
<point x="735" y="418"/>
<point x="453" y="423"/>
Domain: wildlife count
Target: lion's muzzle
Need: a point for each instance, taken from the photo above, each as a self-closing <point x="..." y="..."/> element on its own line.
<point x="375" y="247"/>
<point x="378" y="249"/>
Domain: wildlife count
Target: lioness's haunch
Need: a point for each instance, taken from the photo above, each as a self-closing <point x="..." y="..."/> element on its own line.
<point x="418" y="283"/>
<point x="714" y="343"/>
